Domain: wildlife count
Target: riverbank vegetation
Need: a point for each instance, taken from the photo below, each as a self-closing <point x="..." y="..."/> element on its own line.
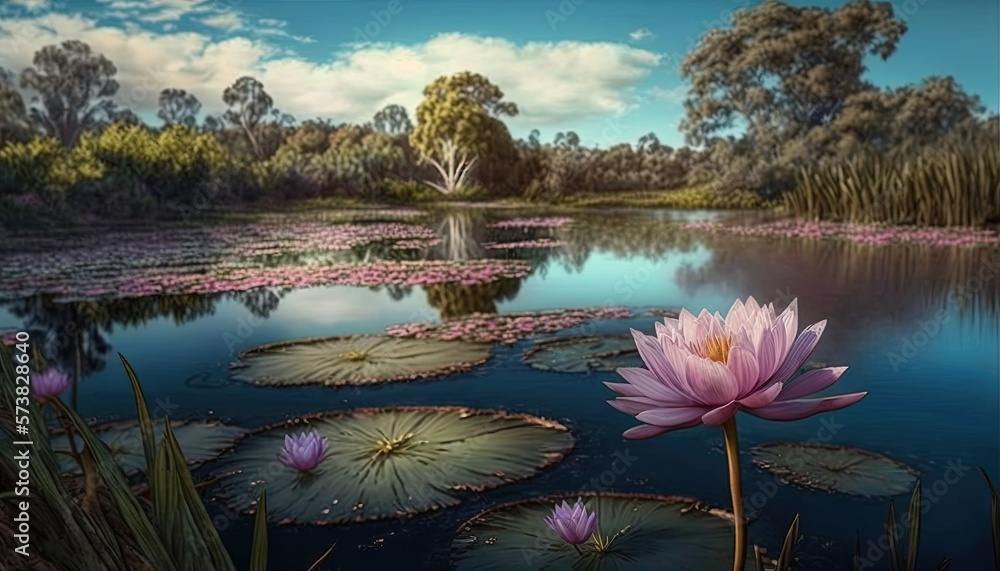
<point x="817" y="138"/>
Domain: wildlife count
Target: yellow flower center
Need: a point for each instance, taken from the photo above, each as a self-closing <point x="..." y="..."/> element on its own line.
<point x="355" y="356"/>
<point x="386" y="446"/>
<point x="717" y="348"/>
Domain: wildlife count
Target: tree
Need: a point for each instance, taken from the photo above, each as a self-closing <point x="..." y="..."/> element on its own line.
<point x="15" y="124"/>
<point x="569" y="139"/>
<point x="74" y="87"/>
<point x="392" y="120"/>
<point x="177" y="106"/>
<point x="782" y="69"/>
<point x="459" y="114"/>
<point x="249" y="107"/>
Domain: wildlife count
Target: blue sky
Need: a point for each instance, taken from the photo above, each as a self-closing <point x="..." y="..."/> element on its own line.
<point x="603" y="68"/>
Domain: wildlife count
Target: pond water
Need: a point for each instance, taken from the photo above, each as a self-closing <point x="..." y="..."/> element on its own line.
<point x="933" y="400"/>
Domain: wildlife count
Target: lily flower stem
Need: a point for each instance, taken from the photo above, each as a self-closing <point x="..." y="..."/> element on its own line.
<point x="736" y="491"/>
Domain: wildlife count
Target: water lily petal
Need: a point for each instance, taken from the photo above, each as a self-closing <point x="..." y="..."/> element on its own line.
<point x="644" y="431"/>
<point x="810" y="382"/>
<point x="634" y="405"/>
<point x="624" y="389"/>
<point x="743" y="365"/>
<point x="804" y="408"/>
<point x="711" y="382"/>
<point x="651" y="386"/>
<point x="671" y="416"/>
<point x="790" y="319"/>
<point x="800" y="351"/>
<point x="762" y="397"/>
<point x="718" y="416"/>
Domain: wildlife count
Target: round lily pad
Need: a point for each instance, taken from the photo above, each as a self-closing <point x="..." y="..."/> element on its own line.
<point x="390" y="462"/>
<point x="832" y="468"/>
<point x="583" y="354"/>
<point x="662" y="533"/>
<point x="200" y="441"/>
<point x="356" y="360"/>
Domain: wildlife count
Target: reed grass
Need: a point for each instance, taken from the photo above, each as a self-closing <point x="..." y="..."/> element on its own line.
<point x="956" y="184"/>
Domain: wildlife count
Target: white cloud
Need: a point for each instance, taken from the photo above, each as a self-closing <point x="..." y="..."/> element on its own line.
<point x="272" y="23"/>
<point x="674" y="95"/>
<point x="32" y="5"/>
<point x="642" y="34"/>
<point x="552" y="82"/>
<point x="227" y="21"/>
<point x="304" y="39"/>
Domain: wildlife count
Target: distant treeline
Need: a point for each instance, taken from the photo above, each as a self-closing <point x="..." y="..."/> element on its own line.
<point x="808" y="113"/>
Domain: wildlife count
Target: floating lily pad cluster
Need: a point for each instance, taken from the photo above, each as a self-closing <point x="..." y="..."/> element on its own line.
<point x="584" y="354"/>
<point x="127" y="264"/>
<point x="200" y="441"/>
<point x="506" y="328"/>
<point x="864" y="234"/>
<point x="222" y="278"/>
<point x="832" y="468"/>
<point x="356" y="360"/>
<point x="656" y="532"/>
<point x="390" y="462"/>
<point x="538" y="222"/>
<point x="525" y="244"/>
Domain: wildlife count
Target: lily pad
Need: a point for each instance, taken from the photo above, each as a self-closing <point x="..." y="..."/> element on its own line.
<point x="391" y="462"/>
<point x="356" y="360"/>
<point x="583" y="354"/>
<point x="200" y="441"/>
<point x="662" y="533"/>
<point x="832" y="468"/>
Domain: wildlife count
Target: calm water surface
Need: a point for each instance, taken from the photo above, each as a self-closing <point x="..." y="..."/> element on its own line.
<point x="935" y="407"/>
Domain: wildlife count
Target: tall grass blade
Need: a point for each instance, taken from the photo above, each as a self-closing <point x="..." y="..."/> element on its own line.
<point x="258" y="552"/>
<point x="913" y="536"/>
<point x="890" y="530"/>
<point x="788" y="548"/>
<point x="995" y="516"/>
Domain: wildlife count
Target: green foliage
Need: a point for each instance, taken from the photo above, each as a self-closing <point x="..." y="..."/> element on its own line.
<point x="408" y="192"/>
<point x="464" y="108"/>
<point x="687" y="199"/>
<point x="954" y="185"/>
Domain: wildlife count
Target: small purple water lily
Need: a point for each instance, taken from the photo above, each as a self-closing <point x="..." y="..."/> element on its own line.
<point x="304" y="452"/>
<point x="49" y="384"/>
<point x="574" y="524"/>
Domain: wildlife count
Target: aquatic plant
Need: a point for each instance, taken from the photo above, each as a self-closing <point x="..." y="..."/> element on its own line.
<point x="304" y="451"/>
<point x="953" y="185"/>
<point x="506" y="328"/>
<point x="355" y="360"/>
<point x="49" y="384"/>
<point x="239" y="276"/>
<point x="574" y="524"/>
<point x="583" y="354"/>
<point x="650" y="532"/>
<point x="538" y="222"/>
<point x="199" y="440"/>
<point x="390" y="462"/>
<point x="104" y="526"/>
<point x="526" y="244"/>
<point x="876" y="235"/>
<point x="704" y="369"/>
<point x="833" y="468"/>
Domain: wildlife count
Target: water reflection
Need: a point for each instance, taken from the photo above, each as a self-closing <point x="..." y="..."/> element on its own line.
<point x="863" y="285"/>
<point x="74" y="335"/>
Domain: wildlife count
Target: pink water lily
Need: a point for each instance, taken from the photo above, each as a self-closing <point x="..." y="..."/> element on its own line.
<point x="304" y="452"/>
<point x="49" y="384"/>
<point x="704" y="369"/>
<point x="573" y="524"/>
